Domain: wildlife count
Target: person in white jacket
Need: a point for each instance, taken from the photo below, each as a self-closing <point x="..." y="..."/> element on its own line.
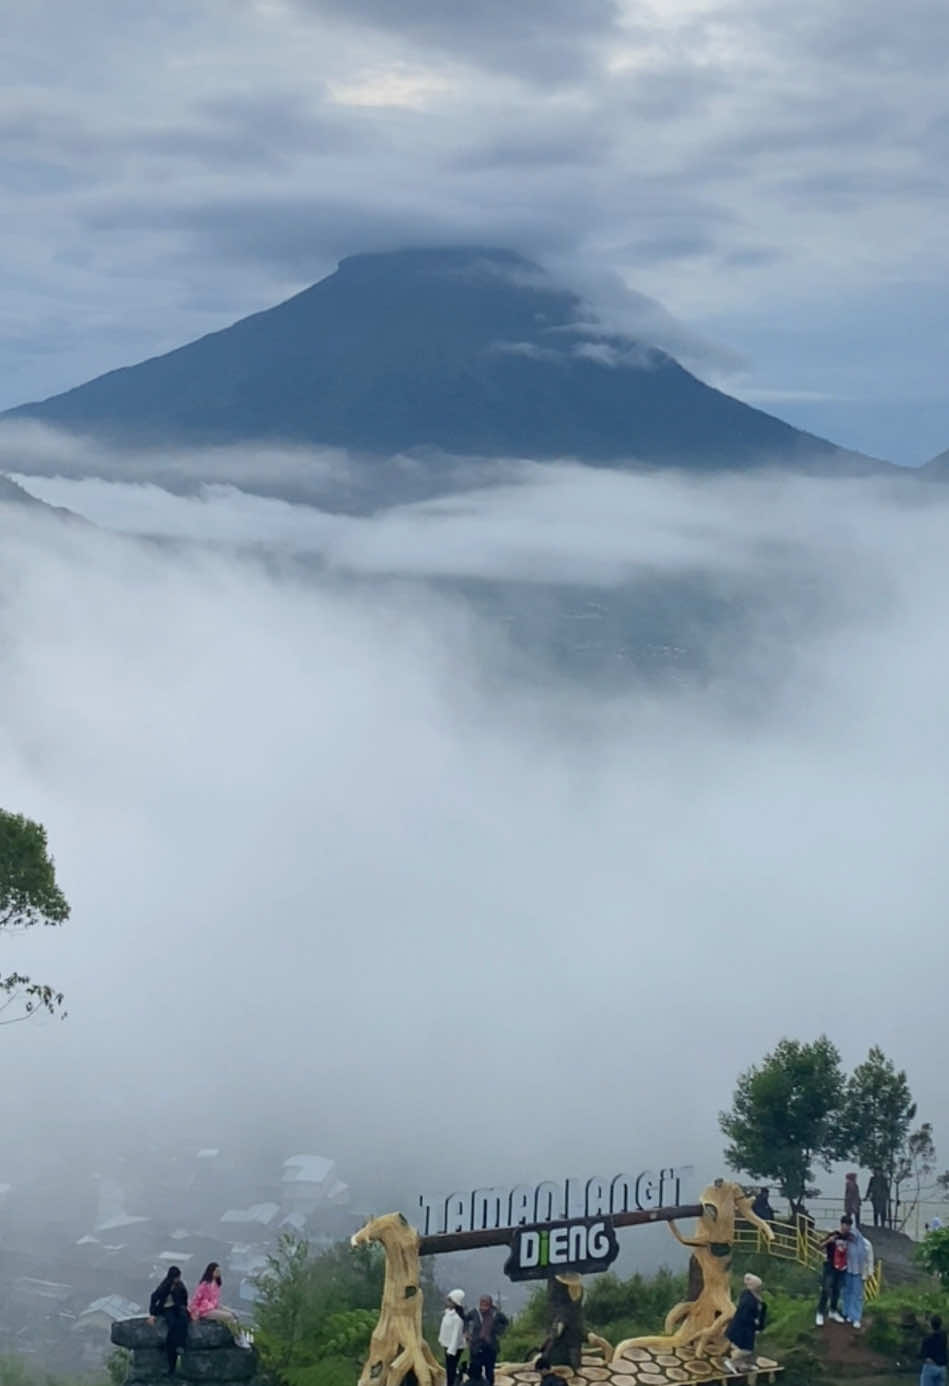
<point x="451" y="1334"/>
<point x="859" y="1270"/>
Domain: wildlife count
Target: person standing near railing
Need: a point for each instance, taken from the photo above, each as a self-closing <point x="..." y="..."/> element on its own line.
<point x="833" y="1272"/>
<point x="878" y="1194"/>
<point x="852" y="1198"/>
<point x="762" y="1205"/>
<point x="859" y="1270"/>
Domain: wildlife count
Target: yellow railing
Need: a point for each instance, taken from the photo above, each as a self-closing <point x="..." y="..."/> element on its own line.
<point x="798" y="1241"/>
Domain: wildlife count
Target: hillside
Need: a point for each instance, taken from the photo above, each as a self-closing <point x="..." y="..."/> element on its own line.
<point x="937" y="468"/>
<point x="465" y="351"/>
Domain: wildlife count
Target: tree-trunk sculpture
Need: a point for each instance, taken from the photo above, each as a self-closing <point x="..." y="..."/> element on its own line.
<point x="701" y="1323"/>
<point x="397" y="1346"/>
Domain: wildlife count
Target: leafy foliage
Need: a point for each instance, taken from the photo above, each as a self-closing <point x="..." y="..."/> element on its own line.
<point x="317" y="1312"/>
<point x="915" y="1161"/>
<point x="785" y="1116"/>
<point x="933" y="1254"/>
<point x="117" y="1365"/>
<point x="878" y="1112"/>
<point x="614" y="1307"/>
<point x="29" y="896"/>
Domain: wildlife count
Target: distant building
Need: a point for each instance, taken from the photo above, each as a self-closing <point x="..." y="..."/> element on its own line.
<point x="310" y="1182"/>
<point x="101" y="1314"/>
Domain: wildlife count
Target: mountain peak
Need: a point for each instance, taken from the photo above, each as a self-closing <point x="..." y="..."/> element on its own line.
<point x="432" y="258"/>
<point x="465" y="349"/>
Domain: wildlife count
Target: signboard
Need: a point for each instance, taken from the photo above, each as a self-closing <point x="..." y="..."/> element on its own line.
<point x="584" y="1246"/>
<point x="527" y="1205"/>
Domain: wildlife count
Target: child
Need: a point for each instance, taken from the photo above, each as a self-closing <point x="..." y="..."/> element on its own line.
<point x="749" y="1320"/>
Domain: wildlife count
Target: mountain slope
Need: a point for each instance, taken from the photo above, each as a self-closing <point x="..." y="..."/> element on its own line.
<point x="11" y="493"/>
<point x="937" y="468"/>
<point x="466" y="351"/>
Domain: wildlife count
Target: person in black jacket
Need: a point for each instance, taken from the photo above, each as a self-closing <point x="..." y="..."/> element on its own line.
<point x="762" y="1206"/>
<point x="169" y="1301"/>
<point x="749" y="1319"/>
<point x="485" y="1326"/>
<point x="933" y="1353"/>
<point x="547" y="1376"/>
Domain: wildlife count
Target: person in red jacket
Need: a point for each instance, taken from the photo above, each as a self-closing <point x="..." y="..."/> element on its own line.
<point x="834" y="1270"/>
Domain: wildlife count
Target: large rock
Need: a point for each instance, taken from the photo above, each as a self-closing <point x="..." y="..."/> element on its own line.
<point x="139" y="1333"/>
<point x="222" y="1364"/>
<point x="210" y="1355"/>
<point x="147" y="1365"/>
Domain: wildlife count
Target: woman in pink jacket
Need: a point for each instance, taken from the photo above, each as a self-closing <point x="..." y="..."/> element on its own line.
<point x="206" y="1304"/>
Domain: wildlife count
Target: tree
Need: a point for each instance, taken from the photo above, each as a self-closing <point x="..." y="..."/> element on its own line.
<point x="29" y="896"/>
<point x="933" y="1254"/>
<point x="878" y="1112"/>
<point x="316" y="1313"/>
<point x="916" y="1160"/>
<point x="785" y="1116"/>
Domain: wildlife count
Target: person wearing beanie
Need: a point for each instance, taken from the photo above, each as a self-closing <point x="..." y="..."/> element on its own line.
<point x="748" y="1321"/>
<point x="451" y="1334"/>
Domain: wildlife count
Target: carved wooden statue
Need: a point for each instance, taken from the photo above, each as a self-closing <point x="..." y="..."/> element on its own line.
<point x="701" y="1323"/>
<point x="397" y="1346"/>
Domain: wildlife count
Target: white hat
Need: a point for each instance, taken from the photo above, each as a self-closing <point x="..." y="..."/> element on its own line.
<point x="457" y="1297"/>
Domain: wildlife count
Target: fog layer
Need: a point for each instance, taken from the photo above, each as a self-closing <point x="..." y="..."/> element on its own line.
<point x="344" y="855"/>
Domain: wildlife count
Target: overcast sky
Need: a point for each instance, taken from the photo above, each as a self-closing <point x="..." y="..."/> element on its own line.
<point x="773" y="171"/>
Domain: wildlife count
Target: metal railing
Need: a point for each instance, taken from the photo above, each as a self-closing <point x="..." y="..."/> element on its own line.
<point x="798" y="1240"/>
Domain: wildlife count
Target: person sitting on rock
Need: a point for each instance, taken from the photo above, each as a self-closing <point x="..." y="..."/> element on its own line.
<point x="206" y="1304"/>
<point x="169" y="1301"/>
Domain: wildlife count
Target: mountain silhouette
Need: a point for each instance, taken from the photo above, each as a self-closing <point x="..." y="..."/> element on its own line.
<point x="467" y="351"/>
<point x="937" y="468"/>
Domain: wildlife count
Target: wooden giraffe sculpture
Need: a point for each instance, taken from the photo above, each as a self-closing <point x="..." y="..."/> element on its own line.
<point x="397" y="1346"/>
<point x="701" y="1322"/>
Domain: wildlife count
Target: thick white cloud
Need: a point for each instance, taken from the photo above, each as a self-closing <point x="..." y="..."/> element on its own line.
<point x="334" y="843"/>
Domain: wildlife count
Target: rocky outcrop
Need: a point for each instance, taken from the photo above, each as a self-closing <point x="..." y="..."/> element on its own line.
<point x="211" y="1355"/>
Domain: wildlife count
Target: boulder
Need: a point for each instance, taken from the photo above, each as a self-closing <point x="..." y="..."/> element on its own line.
<point x="139" y="1333"/>
<point x="207" y="1335"/>
<point x="222" y="1364"/>
<point x="211" y="1355"/>
<point x="148" y="1365"/>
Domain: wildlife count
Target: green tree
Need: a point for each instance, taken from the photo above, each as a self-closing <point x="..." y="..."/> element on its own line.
<point x="878" y="1113"/>
<point x="916" y="1162"/>
<point x="316" y="1313"/>
<point x="933" y="1254"/>
<point x="29" y="896"/>
<point x="785" y="1116"/>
